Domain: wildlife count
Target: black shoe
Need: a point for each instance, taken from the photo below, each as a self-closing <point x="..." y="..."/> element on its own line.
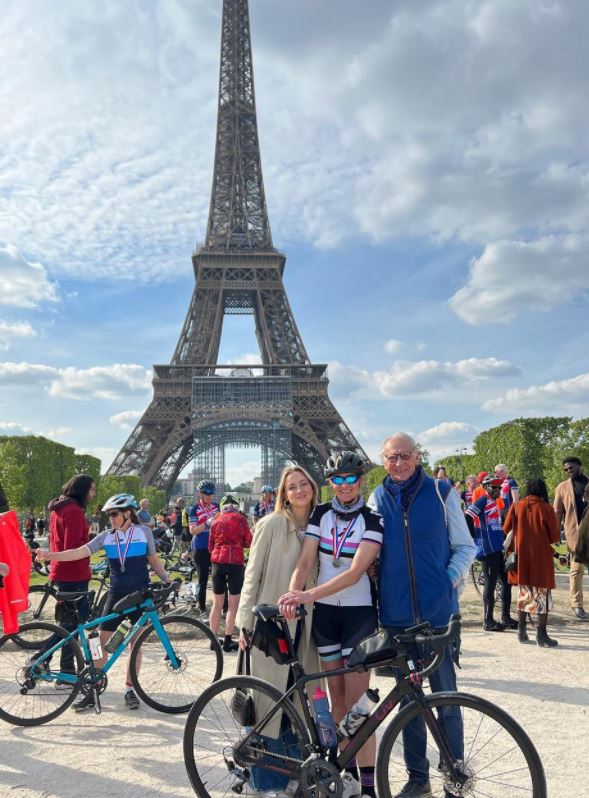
<point x="522" y="634"/>
<point x="509" y="623"/>
<point x="544" y="641"/>
<point x="581" y="614"/>
<point x="413" y="789"/>
<point x="230" y="645"/>
<point x="86" y="703"/>
<point x="131" y="700"/>
<point x="493" y="626"/>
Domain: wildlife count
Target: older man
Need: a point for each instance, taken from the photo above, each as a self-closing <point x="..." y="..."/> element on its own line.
<point x="143" y="514"/>
<point x="569" y="506"/>
<point x="426" y="552"/>
<point x="509" y="488"/>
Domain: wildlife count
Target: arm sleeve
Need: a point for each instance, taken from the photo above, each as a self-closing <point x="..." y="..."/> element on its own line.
<point x="150" y="541"/>
<point x="254" y="574"/>
<point x="96" y="543"/>
<point x="461" y="543"/>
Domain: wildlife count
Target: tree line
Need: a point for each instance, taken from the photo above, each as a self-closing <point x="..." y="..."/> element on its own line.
<point x="33" y="470"/>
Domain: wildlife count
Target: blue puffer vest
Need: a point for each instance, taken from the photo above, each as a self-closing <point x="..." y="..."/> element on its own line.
<point x="424" y="524"/>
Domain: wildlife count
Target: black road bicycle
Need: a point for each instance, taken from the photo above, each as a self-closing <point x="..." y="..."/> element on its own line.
<point x="225" y="750"/>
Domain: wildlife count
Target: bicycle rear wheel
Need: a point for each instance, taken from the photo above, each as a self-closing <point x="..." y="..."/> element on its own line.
<point x="42" y="604"/>
<point x="29" y="694"/>
<point x="216" y="766"/>
<point x="497" y="758"/>
<point x="155" y="680"/>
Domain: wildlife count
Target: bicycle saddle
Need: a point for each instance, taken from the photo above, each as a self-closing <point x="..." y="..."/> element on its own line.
<point x="73" y="596"/>
<point x="266" y="611"/>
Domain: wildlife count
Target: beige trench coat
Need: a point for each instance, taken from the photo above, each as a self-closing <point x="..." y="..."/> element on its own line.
<point x="272" y="559"/>
<point x="566" y="512"/>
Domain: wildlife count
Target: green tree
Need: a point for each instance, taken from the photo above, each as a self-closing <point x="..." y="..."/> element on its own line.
<point x="110" y="484"/>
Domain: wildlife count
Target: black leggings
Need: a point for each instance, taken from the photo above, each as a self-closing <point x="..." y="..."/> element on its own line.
<point x="202" y="560"/>
<point x="493" y="570"/>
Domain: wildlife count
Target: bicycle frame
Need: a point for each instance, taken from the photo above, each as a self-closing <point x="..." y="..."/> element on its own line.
<point x="149" y="615"/>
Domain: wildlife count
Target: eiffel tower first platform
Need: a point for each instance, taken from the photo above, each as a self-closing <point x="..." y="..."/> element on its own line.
<point x="201" y="407"/>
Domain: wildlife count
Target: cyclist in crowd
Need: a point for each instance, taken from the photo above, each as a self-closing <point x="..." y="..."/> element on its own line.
<point x="130" y="548"/>
<point x="275" y="551"/>
<point x="346" y="535"/>
<point x="535" y="530"/>
<point x="509" y="488"/>
<point x="265" y="504"/>
<point x="143" y="514"/>
<point x="426" y="553"/>
<point x="200" y="519"/>
<point x="179" y="523"/>
<point x="69" y="529"/>
<point x="229" y="535"/>
<point x="489" y="541"/>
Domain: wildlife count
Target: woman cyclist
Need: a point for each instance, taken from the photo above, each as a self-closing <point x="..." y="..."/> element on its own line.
<point x="347" y="535"/>
<point x="130" y="548"/>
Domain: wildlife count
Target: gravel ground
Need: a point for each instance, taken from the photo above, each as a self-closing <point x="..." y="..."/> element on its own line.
<point x="139" y="754"/>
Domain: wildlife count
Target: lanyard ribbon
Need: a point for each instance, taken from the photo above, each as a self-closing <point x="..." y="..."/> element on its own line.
<point x="123" y="555"/>
<point x="337" y="546"/>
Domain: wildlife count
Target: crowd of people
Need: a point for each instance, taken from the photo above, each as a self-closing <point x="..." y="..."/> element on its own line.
<point x="395" y="560"/>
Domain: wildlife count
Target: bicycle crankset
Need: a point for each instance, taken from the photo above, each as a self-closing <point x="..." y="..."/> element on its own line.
<point x="320" y="779"/>
<point x="92" y="678"/>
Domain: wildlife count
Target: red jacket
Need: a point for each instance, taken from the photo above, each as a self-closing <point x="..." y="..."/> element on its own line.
<point x="13" y="551"/>
<point x="229" y="536"/>
<point x="68" y="530"/>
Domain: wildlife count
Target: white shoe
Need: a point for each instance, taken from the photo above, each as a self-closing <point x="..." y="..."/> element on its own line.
<point x="351" y="787"/>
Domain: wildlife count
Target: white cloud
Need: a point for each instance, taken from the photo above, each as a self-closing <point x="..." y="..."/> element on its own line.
<point x="392" y="346"/>
<point x="25" y="373"/>
<point x="447" y="438"/>
<point x="101" y="382"/>
<point x="12" y="428"/>
<point x="513" y="276"/>
<point x="420" y="379"/>
<point x="24" y="284"/>
<point x="563" y="397"/>
<point x="126" y="419"/>
<point x="8" y="331"/>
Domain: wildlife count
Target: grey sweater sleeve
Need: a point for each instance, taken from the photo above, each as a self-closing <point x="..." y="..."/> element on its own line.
<point x="461" y="543"/>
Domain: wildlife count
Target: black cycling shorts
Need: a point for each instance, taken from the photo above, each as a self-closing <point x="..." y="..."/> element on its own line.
<point x="338" y="630"/>
<point x="110" y="626"/>
<point x="226" y="575"/>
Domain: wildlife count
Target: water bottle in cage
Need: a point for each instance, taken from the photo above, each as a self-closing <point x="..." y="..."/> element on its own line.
<point x="325" y="723"/>
<point x="358" y="714"/>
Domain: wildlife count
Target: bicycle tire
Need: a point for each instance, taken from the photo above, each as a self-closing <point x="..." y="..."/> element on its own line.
<point x="43" y="702"/>
<point x="211" y="720"/>
<point x="478" y="579"/>
<point x="99" y="611"/>
<point x="483" y="751"/>
<point x="39" y="609"/>
<point x="193" y="642"/>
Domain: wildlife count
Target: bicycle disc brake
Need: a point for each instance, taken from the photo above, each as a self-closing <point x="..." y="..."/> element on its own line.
<point x="466" y="780"/>
<point x="320" y="779"/>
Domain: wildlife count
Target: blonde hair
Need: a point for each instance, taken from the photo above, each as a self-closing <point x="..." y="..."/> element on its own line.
<point x="282" y="505"/>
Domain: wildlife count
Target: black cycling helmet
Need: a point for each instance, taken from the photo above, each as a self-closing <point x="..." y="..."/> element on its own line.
<point x="206" y="486"/>
<point x="343" y="463"/>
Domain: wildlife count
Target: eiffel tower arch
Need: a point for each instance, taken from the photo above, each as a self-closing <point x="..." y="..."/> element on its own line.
<point x="201" y="407"/>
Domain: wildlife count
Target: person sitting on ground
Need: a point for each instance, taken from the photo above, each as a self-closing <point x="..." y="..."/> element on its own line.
<point x="347" y="536"/>
<point x="532" y="521"/>
<point x="130" y="548"/>
<point x="228" y="537"/>
<point x="489" y="541"/>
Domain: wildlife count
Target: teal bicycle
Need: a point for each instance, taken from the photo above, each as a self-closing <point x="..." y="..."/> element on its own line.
<point x="173" y="658"/>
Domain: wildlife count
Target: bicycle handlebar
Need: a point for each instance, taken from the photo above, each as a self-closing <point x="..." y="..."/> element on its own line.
<point x="437" y="642"/>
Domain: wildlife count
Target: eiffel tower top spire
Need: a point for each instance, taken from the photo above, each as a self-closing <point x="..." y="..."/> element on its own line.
<point x="238" y="218"/>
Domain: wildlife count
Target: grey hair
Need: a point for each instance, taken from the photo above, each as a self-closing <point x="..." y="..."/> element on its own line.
<point x="501" y="467"/>
<point x="404" y="435"/>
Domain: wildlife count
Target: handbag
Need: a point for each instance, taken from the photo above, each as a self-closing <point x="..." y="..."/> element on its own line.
<point x="242" y="703"/>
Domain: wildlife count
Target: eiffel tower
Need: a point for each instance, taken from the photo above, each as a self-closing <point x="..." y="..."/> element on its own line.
<point x="201" y="407"/>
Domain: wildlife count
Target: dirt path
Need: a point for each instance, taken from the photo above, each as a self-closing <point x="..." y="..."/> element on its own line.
<point x="139" y="754"/>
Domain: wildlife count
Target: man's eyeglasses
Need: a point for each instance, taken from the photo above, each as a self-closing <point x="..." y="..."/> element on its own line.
<point x="113" y="513"/>
<point x="392" y="458"/>
<point x="351" y="479"/>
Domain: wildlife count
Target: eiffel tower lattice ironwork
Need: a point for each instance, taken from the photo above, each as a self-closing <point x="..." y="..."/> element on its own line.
<point x="199" y="406"/>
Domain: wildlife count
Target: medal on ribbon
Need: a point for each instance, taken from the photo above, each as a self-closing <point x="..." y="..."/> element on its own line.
<point x="123" y="554"/>
<point x="337" y="542"/>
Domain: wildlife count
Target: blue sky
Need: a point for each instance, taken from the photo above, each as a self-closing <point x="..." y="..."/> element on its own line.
<point x="426" y="170"/>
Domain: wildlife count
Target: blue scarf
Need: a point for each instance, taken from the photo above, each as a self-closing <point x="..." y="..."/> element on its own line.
<point x="403" y="492"/>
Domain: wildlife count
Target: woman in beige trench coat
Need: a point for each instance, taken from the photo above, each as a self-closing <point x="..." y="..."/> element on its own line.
<point x="272" y="559"/>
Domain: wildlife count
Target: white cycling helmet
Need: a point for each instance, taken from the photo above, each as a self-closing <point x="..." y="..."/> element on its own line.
<point x="120" y="501"/>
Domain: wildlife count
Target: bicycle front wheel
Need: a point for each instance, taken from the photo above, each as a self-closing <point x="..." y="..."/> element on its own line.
<point x="29" y="692"/>
<point x="493" y="754"/>
<point x="197" y="650"/>
<point x="41" y="607"/>
<point x="220" y="757"/>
